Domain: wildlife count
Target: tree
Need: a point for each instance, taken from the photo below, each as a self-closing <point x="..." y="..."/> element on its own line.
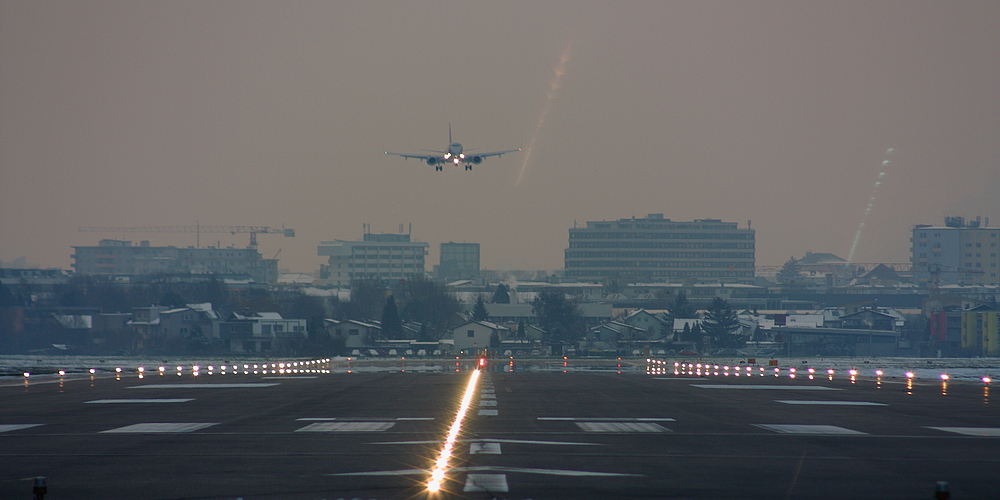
<point x="720" y="322"/>
<point x="561" y="319"/>
<point x="686" y="333"/>
<point x="681" y="309"/>
<point x="501" y="295"/>
<point x="392" y="326"/>
<point x="430" y="303"/>
<point x="521" y="333"/>
<point x="479" y="312"/>
<point x="790" y="274"/>
<point x="367" y="300"/>
<point x="613" y="285"/>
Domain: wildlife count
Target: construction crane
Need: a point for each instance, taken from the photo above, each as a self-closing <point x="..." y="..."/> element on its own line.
<point x="197" y="229"/>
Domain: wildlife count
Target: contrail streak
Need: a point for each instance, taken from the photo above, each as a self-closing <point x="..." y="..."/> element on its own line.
<point x="871" y="204"/>
<point x="552" y="93"/>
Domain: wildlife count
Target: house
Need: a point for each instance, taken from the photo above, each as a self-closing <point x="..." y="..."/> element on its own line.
<point x="477" y="335"/>
<point x="355" y="334"/>
<point x="654" y="324"/>
<point x="612" y="336"/>
<point x="262" y="333"/>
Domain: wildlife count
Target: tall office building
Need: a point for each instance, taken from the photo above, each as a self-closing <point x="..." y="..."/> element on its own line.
<point x="959" y="253"/>
<point x="382" y="257"/>
<point x="459" y="261"/>
<point x="657" y="249"/>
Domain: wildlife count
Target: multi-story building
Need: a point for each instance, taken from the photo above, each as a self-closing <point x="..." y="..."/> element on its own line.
<point x="121" y="258"/>
<point x="959" y="253"/>
<point x="382" y="257"/>
<point x="459" y="261"/>
<point x="657" y="249"/>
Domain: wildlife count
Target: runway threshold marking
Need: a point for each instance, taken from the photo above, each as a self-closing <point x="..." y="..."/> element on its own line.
<point x="512" y="441"/>
<point x="287" y="377"/>
<point x="347" y="427"/>
<point x="114" y="401"/>
<point x="488" y="413"/>
<point x="767" y="387"/>
<point x="486" y="482"/>
<point x="488" y="396"/>
<point x="16" y="427"/>
<point x="831" y="403"/>
<point x="488" y="402"/>
<point x="159" y="427"/>
<point x="971" y="431"/>
<point x="621" y="427"/>
<point x="547" y="472"/>
<point x="809" y="429"/>
<point x="204" y="386"/>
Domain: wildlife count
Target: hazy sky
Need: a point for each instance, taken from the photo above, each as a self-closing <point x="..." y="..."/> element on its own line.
<point x="270" y="113"/>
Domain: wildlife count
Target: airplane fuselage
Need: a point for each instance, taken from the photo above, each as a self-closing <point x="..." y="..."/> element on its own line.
<point x="454" y="153"/>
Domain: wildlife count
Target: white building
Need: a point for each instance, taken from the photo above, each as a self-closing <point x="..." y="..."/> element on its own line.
<point x="382" y="257"/>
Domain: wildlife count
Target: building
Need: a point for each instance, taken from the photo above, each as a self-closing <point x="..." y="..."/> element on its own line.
<point x="459" y="261"/>
<point x="981" y="332"/>
<point x="382" y="257"/>
<point x="959" y="253"/>
<point x="657" y="249"/>
<point x="474" y="336"/>
<point x="122" y="258"/>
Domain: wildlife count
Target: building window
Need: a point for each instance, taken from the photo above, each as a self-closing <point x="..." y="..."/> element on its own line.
<point x="352" y="331"/>
<point x="471" y="333"/>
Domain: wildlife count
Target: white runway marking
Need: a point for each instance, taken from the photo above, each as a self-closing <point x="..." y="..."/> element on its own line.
<point x="621" y="427"/>
<point x="401" y="472"/>
<point x="347" y="427"/>
<point x="832" y="403"/>
<point x="488" y="403"/>
<point x="972" y="431"/>
<point x="488" y="391"/>
<point x="547" y="472"/>
<point x="489" y="413"/>
<point x="15" y="427"/>
<point x="488" y="396"/>
<point x="607" y="419"/>
<point x="362" y="419"/>
<point x="182" y="400"/>
<point x="199" y="386"/>
<point x="486" y="482"/>
<point x="487" y="448"/>
<point x="766" y="387"/>
<point x="287" y="377"/>
<point x="808" y="429"/>
<point x="514" y="441"/>
<point x="155" y="428"/>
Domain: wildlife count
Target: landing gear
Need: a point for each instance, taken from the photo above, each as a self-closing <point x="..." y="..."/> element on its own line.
<point x="437" y="168"/>
<point x="468" y="166"/>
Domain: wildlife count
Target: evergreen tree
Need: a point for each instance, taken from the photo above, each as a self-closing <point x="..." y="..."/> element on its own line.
<point x="681" y="309"/>
<point x="501" y="295"/>
<point x="686" y="335"/>
<point x="479" y="312"/>
<point x="392" y="326"/>
<point x="521" y="333"/>
<point x="560" y="318"/>
<point x="720" y="322"/>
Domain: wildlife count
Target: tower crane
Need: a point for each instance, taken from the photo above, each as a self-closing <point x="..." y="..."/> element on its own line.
<point x="197" y="229"/>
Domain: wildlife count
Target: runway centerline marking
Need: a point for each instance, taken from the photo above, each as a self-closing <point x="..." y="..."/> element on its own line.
<point x="347" y="427"/>
<point x="831" y="403"/>
<point x="489" y="413"/>
<point x="808" y="429"/>
<point x="156" y="428"/>
<point x="112" y="401"/>
<point x="621" y="427"/>
<point x="484" y="448"/>
<point x="971" y="431"/>
<point x="607" y="419"/>
<point x="486" y="482"/>
<point x="15" y="427"/>
<point x="363" y="419"/>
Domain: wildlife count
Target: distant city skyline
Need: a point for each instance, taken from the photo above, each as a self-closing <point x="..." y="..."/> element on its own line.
<point x="835" y="127"/>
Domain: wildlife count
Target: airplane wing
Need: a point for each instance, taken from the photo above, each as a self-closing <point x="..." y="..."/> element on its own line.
<point x="495" y="153"/>
<point x="419" y="157"/>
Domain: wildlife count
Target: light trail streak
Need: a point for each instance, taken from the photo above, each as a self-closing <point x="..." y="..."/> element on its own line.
<point x="441" y="464"/>
<point x="871" y="204"/>
<point x="553" y="93"/>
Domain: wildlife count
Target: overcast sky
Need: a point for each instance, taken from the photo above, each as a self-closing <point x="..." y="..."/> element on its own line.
<point x="269" y="113"/>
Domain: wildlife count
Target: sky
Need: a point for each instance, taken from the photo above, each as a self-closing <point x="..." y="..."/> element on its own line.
<point x="277" y="113"/>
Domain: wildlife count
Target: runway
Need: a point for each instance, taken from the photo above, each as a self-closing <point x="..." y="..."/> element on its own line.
<point x="526" y="435"/>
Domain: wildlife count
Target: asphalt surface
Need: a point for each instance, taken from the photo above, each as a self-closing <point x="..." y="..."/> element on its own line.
<point x="553" y="436"/>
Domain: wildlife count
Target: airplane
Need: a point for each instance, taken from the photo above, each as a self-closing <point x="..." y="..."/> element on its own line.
<point x="453" y="155"/>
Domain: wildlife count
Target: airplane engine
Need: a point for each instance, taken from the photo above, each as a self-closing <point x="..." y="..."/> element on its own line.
<point x="432" y="161"/>
<point x="476" y="160"/>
